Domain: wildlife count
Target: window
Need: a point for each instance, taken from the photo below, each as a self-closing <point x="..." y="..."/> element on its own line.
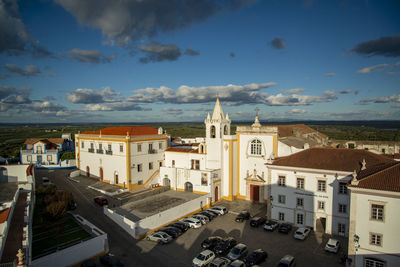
<point x="282" y="181"/>
<point x="383" y="150"/>
<point x="377" y="212"/>
<point x="91" y="145"/>
<point x="173" y="163"/>
<point x="342" y="208"/>
<point x="150" y="165"/>
<point x="140" y="182"/>
<point x="100" y="146"/>
<point x="321" y="186"/>
<point x="300" y="202"/>
<point x="109" y="147"/>
<point x="369" y="262"/>
<point x="300" y="218"/>
<point x="160" y="145"/>
<point x="212" y="131"/>
<point x="139" y="148"/>
<point x="300" y="183"/>
<point x="82" y="144"/>
<point x="375" y="239"/>
<point x="150" y="146"/>
<point x="255" y="147"/>
<point x="341" y="229"/>
<point x="342" y="188"/>
<point x="282" y="199"/>
<point x="49" y="158"/>
<point x="121" y="148"/>
<point x="139" y="167"/>
<point x="351" y="145"/>
<point x="321" y="205"/>
<point x="281" y="216"/>
<point x="195" y="164"/>
<point x="29" y="158"/>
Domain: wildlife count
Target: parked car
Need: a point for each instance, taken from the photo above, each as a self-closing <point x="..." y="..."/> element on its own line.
<point x="72" y="205"/>
<point x="271" y="225"/>
<point x="203" y="219"/>
<point x="180" y="225"/>
<point x="220" y="262"/>
<point x="301" y="233"/>
<point x="110" y="260"/>
<point x="285" y="228"/>
<point x="159" y="237"/>
<point x="88" y="263"/>
<point x="211" y="242"/>
<point x="193" y="223"/>
<point x="237" y="263"/>
<point x="218" y="209"/>
<point x="257" y="221"/>
<point x="332" y="245"/>
<point x="204" y="258"/>
<point x="46" y="181"/>
<point x="238" y="252"/>
<point x="207" y="214"/>
<point x="287" y="261"/>
<point x="256" y="257"/>
<point x="212" y="212"/>
<point x="244" y="215"/>
<point x="101" y="200"/>
<point x="225" y="246"/>
<point x="172" y="231"/>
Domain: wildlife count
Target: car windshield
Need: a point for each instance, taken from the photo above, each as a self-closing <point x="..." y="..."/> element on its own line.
<point x="331" y="246"/>
<point x="299" y="233"/>
<point x="201" y="257"/>
<point x="236" y="251"/>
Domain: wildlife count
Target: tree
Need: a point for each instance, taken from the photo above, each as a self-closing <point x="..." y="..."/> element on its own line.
<point x="68" y="155"/>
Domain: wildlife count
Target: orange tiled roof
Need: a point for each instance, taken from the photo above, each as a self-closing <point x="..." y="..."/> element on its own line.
<point x="182" y="149"/>
<point x="124" y="130"/>
<point x="288" y="130"/>
<point x="386" y="178"/>
<point x="4" y="215"/>
<point x="31" y="141"/>
<point x="339" y="159"/>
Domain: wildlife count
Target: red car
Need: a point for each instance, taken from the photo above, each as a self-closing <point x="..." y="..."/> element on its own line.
<point x="101" y="200"/>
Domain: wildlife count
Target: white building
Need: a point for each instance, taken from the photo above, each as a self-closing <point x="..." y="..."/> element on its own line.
<point x="374" y="216"/>
<point x="126" y="156"/>
<point x="45" y="151"/>
<point x="309" y="188"/>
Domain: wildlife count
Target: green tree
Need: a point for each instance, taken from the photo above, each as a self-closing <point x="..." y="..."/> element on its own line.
<point x="68" y="155"/>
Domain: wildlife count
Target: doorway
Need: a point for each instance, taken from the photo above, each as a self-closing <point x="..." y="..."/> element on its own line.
<point x="101" y="174"/>
<point x="254" y="192"/>
<point x="216" y="194"/>
<point x="188" y="187"/>
<point x="87" y="171"/>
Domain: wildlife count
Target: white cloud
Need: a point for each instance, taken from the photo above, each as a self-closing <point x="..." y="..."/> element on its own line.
<point x="116" y="106"/>
<point x="393" y="98"/>
<point x="344" y="92"/>
<point x="89" y="56"/>
<point x="299" y="100"/>
<point x="296" y="111"/>
<point x="293" y="91"/>
<point x="330" y="74"/>
<point x="173" y="111"/>
<point x="372" y="68"/>
<point x="90" y="96"/>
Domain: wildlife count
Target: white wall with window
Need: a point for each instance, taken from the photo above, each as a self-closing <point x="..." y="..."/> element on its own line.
<point x="306" y="195"/>
<point x="374" y="218"/>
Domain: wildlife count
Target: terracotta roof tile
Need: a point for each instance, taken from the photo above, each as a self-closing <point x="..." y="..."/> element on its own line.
<point x="387" y="179"/>
<point x="4" y="215"/>
<point x="31" y="141"/>
<point x="182" y="149"/>
<point x="122" y="131"/>
<point x="332" y="159"/>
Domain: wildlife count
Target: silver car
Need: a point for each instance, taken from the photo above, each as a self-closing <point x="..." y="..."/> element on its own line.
<point x="160" y="237"/>
<point x="332" y="245"/>
<point x="203" y="219"/>
<point x="237" y="252"/>
<point x="218" y="209"/>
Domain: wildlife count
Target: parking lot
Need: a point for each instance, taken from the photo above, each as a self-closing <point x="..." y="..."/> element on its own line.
<point x="181" y="251"/>
<point x="309" y="252"/>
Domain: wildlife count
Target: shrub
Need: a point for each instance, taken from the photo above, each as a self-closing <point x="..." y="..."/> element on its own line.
<point x="68" y="155"/>
<point x="56" y="210"/>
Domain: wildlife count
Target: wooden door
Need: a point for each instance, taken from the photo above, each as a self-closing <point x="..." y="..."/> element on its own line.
<point x="101" y="174"/>
<point x="216" y="193"/>
<point x="254" y="192"/>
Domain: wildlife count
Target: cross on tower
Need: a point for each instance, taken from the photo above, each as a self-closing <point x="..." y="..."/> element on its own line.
<point x="257" y="110"/>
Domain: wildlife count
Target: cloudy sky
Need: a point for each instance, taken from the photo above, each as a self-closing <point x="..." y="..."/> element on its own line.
<point x="159" y="60"/>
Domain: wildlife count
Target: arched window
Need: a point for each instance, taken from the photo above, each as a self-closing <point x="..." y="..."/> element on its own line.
<point x="226" y="130"/>
<point x="201" y="149"/>
<point x="212" y="131"/>
<point x="255" y="147"/>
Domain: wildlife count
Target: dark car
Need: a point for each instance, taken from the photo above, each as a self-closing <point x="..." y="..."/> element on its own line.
<point x="88" y="263"/>
<point x="101" y="200"/>
<point x="209" y="215"/>
<point x="213" y="213"/>
<point x="224" y="246"/>
<point x="244" y="215"/>
<point x="180" y="225"/>
<point x="72" y="205"/>
<point x="257" y="221"/>
<point x="172" y="231"/>
<point x="211" y="242"/>
<point x="256" y="257"/>
<point x="110" y="261"/>
<point x="285" y="228"/>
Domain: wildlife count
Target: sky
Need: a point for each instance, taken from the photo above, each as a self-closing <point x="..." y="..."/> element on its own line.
<point x="143" y="61"/>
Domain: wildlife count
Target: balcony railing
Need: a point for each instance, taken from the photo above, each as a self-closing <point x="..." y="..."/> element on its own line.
<point x="91" y="150"/>
<point x="99" y="151"/>
<point x="109" y="152"/>
<point x="30" y="151"/>
<point x="152" y="151"/>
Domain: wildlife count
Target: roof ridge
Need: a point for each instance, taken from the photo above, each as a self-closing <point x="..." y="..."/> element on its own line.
<point x="380" y="171"/>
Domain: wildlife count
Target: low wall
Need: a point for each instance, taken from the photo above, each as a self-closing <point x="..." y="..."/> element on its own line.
<point x="65" y="164"/>
<point x="140" y="228"/>
<point x="79" y="252"/>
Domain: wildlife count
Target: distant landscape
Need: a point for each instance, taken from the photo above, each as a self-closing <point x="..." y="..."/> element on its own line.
<point x="13" y="136"/>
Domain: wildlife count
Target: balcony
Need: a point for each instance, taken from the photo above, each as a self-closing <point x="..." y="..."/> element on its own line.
<point x="91" y="150"/>
<point x="109" y="152"/>
<point x="99" y="151"/>
<point x="152" y="151"/>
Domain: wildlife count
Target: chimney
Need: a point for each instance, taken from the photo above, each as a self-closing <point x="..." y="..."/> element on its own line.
<point x="363" y="165"/>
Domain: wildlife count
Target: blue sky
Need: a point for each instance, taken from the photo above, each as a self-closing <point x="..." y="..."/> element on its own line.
<point x="158" y="61"/>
